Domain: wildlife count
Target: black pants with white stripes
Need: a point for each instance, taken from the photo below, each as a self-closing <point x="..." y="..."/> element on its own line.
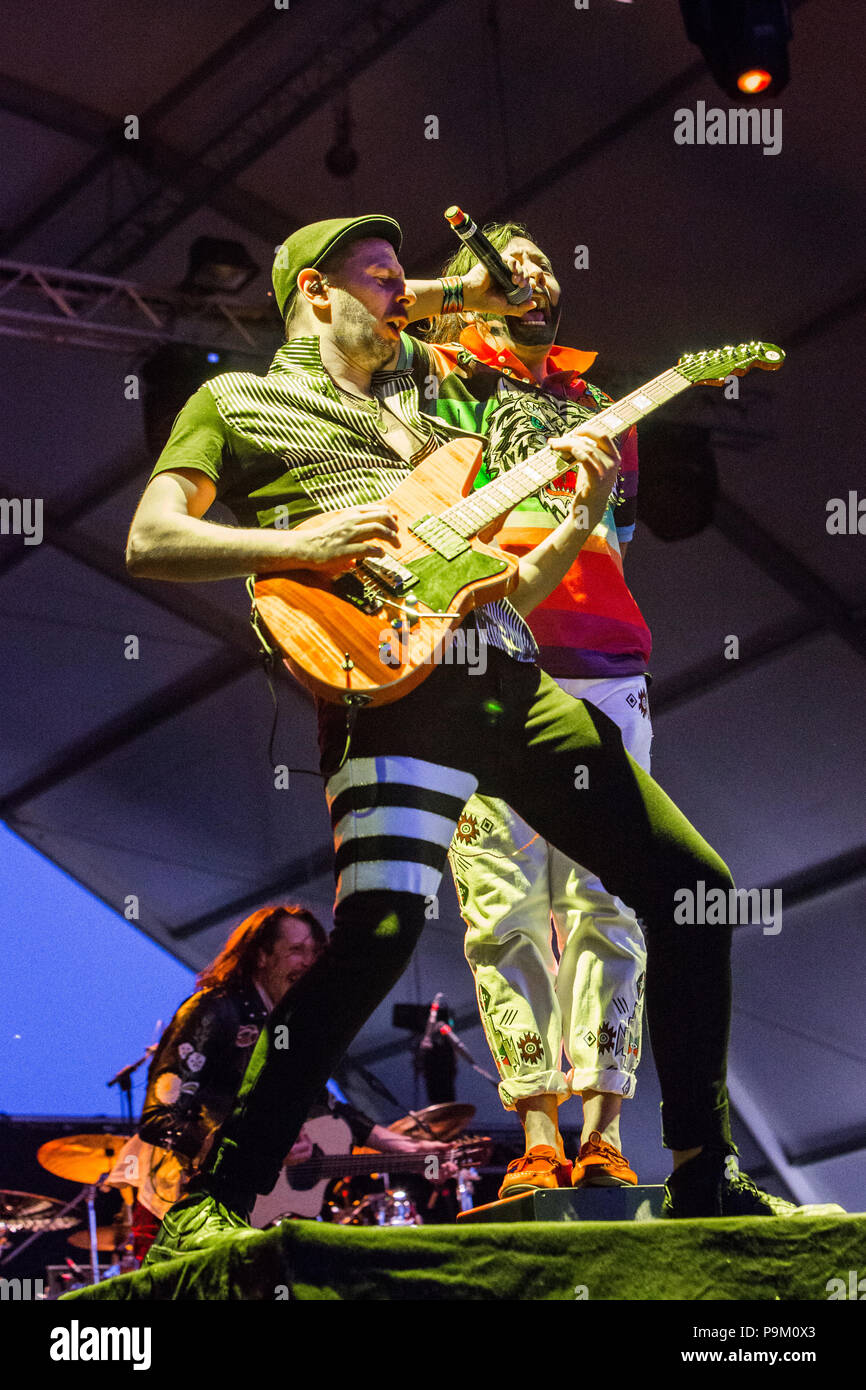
<point x="394" y="803"/>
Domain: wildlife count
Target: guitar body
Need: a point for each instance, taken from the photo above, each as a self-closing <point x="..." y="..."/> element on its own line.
<point x="328" y="1135"/>
<point x="336" y="648"/>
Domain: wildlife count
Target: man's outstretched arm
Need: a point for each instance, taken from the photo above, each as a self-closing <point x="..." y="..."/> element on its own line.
<point x="169" y="539"/>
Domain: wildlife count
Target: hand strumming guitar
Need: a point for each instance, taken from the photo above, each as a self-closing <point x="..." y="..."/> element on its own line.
<point x="334" y="541"/>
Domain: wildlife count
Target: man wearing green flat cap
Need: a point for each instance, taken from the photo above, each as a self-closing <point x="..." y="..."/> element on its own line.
<point x="326" y="435"/>
<point x="311" y="246"/>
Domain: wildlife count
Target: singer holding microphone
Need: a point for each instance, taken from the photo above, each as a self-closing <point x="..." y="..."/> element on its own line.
<point x="515" y="384"/>
<point x="337" y="422"/>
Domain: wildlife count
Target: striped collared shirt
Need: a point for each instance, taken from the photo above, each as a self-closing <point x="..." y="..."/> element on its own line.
<point x="290" y="445"/>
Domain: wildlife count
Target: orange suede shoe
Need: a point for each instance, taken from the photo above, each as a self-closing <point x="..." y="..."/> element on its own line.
<point x="599" y="1164"/>
<point x="539" y="1167"/>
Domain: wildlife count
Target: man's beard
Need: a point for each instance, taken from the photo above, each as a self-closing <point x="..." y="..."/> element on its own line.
<point x="358" y="338"/>
<point x="535" y="334"/>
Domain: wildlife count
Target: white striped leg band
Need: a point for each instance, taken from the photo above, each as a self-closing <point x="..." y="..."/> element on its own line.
<point x="393" y="819"/>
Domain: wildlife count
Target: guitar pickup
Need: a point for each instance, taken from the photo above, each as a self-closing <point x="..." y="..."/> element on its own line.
<point x="391" y="573"/>
<point x="440" y="536"/>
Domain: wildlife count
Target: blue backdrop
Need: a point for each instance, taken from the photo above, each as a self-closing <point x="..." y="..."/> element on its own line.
<point x="83" y="991"/>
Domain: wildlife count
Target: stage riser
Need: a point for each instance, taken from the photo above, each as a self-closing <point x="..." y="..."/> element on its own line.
<point x="744" y="1259"/>
<point x="642" y="1203"/>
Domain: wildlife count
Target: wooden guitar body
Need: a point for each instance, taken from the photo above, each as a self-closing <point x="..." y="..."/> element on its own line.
<point x="338" y="650"/>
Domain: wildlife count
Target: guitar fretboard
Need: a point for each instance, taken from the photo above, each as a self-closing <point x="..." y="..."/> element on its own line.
<point x="357" y="1165"/>
<point x="484" y="506"/>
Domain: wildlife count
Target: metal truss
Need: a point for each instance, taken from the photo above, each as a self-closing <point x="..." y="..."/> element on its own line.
<point x="101" y="133"/>
<point x="76" y="309"/>
<point x="253" y="131"/>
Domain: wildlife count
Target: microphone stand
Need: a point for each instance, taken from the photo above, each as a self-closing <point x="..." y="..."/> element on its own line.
<point x="375" y="1084"/>
<point x="87" y="1195"/>
<point x="123" y="1079"/>
<point x="447" y="1032"/>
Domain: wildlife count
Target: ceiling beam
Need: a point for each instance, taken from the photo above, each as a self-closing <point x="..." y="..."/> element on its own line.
<point x="254" y="130"/>
<point x="82" y="123"/>
<point x="836" y="1148"/>
<point x="785" y="568"/>
<point x="825" y="877"/>
<point x="298" y="874"/>
<point x="582" y="153"/>
<point x="238" y="656"/>
<point x="203" y="680"/>
<point x="671" y="692"/>
<point x="177" y="599"/>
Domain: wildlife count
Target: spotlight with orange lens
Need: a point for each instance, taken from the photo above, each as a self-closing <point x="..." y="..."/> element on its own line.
<point x="745" y="44"/>
<point x="754" y="80"/>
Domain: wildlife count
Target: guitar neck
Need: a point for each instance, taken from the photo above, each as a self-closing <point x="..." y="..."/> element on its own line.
<point x="487" y="504"/>
<point x="359" y="1165"/>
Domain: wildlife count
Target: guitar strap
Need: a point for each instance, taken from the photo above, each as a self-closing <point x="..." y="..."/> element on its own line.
<point x="420" y="369"/>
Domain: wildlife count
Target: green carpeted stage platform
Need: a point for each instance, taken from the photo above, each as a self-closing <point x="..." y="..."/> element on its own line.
<point x="757" y="1258"/>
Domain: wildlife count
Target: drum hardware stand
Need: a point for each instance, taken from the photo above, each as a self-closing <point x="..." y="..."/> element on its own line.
<point x="466" y="1180"/>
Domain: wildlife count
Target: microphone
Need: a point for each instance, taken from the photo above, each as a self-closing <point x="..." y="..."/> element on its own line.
<point x="427" y="1041"/>
<point x="473" y="238"/>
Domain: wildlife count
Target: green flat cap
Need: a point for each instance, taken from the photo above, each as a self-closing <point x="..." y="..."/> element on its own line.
<point x="309" y="246"/>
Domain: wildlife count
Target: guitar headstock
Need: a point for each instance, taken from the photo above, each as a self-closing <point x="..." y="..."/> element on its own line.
<point x="713" y="368"/>
<point x="471" y="1149"/>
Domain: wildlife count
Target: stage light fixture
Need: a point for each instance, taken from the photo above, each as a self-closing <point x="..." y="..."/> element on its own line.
<point x="745" y="43"/>
<point x="217" y="266"/>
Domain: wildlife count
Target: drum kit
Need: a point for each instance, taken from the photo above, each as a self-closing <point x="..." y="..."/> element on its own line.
<point x="395" y="1206"/>
<point x="85" y="1159"/>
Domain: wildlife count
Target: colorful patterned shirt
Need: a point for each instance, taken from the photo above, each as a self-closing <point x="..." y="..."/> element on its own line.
<point x="590" y="625"/>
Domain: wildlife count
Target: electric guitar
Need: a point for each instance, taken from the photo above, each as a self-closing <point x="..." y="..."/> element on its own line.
<point x="300" y="1188"/>
<point x="371" y="634"/>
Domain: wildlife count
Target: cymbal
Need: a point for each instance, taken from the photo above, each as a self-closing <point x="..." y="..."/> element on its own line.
<point x="27" y="1211"/>
<point x="445" y="1121"/>
<point x="107" y="1238"/>
<point x="14" y="1205"/>
<point x="81" y="1157"/>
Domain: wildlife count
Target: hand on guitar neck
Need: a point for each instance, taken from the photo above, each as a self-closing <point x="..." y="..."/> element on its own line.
<point x="594" y="455"/>
<point x="379" y="1140"/>
<point x="592" y="449"/>
<point x="322" y="1153"/>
